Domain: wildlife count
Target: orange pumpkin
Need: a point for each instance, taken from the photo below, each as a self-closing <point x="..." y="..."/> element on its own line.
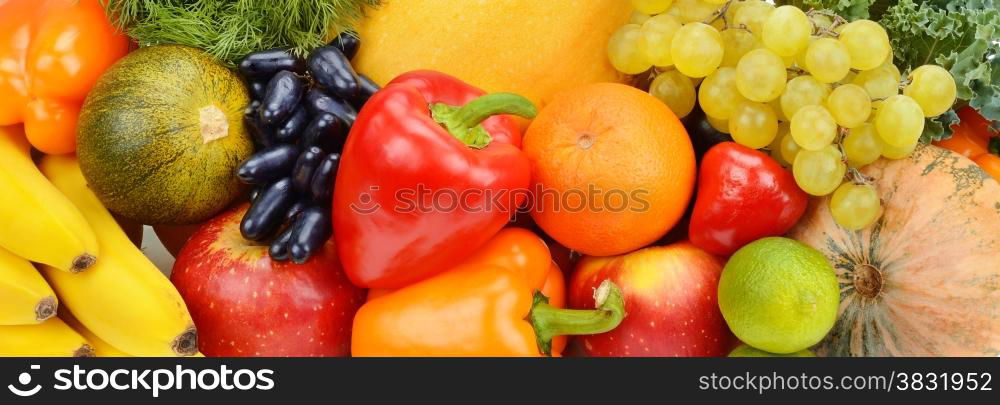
<point x="924" y="280"/>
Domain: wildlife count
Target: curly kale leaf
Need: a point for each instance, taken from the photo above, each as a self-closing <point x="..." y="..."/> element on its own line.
<point x="959" y="36"/>
<point x="849" y="9"/>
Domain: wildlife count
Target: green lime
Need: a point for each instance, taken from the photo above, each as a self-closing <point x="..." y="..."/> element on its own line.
<point x="779" y="295"/>
<point x="746" y="351"/>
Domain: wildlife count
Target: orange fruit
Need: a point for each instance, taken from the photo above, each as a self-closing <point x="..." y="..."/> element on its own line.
<point x="613" y="169"/>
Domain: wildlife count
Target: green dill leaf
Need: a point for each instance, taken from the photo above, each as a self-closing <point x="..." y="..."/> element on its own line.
<point x="230" y="29"/>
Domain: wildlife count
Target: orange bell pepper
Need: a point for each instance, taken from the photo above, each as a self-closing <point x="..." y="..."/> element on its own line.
<point x="977" y="126"/>
<point x="51" y="54"/>
<point x="490" y="305"/>
<point x="990" y="163"/>
<point x="964" y="143"/>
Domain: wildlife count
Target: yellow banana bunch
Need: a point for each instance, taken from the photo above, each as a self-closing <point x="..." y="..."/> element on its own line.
<point x="36" y="221"/>
<point x="25" y="297"/>
<point x="123" y="298"/>
<point x="52" y="338"/>
<point x="101" y="348"/>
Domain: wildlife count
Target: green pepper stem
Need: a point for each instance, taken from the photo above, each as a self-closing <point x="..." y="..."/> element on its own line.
<point x="550" y="321"/>
<point x="478" y="110"/>
<point x="464" y="122"/>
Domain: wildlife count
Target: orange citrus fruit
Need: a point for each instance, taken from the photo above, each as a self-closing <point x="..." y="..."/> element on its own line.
<point x="613" y="169"/>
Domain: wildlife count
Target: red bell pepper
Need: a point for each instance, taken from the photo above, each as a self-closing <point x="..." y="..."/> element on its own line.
<point x="426" y="178"/>
<point x="743" y="195"/>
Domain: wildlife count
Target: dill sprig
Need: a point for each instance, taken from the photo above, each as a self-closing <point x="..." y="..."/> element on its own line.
<point x="230" y="29"/>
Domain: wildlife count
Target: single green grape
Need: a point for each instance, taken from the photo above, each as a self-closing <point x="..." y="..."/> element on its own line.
<point x="737" y="42"/>
<point x="675" y="90"/>
<point x="855" y="206"/>
<point x="751" y="15"/>
<point x="899" y="121"/>
<point x="761" y="75"/>
<point x="827" y="60"/>
<point x="697" y="49"/>
<point x="880" y="83"/>
<point x="866" y="42"/>
<point x="850" y="105"/>
<point x="819" y="172"/>
<point x="753" y="125"/>
<point x="802" y="91"/>
<point x="862" y="146"/>
<point x="657" y="34"/>
<point x="813" y="127"/>
<point x="933" y="88"/>
<point x="786" y="31"/>
<point x="718" y="95"/>
<point x="624" y="50"/>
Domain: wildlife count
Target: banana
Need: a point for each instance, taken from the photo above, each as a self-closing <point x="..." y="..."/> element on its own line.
<point x="25" y="297"/>
<point x="123" y="298"/>
<point x="101" y="348"/>
<point x="52" y="338"/>
<point x="36" y="221"/>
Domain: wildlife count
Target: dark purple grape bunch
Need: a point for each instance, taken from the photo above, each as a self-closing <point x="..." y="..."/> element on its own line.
<point x="301" y="113"/>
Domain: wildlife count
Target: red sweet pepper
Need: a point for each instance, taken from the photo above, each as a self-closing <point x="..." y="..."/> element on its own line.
<point x="743" y="195"/>
<point x="427" y="176"/>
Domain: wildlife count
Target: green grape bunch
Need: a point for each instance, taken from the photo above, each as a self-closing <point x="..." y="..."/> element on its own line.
<point x="821" y="93"/>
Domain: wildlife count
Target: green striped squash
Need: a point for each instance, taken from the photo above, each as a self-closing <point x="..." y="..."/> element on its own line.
<point x="161" y="135"/>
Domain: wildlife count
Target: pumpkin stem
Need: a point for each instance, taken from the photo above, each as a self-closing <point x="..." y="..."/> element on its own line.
<point x="867" y="280"/>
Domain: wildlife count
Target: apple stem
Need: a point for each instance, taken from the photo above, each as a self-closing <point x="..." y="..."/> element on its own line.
<point x="550" y="321"/>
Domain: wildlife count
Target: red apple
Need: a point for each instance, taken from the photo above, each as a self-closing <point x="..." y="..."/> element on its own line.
<point x="670" y="303"/>
<point x="245" y="304"/>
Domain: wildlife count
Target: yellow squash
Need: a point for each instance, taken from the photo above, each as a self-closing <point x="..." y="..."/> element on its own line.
<point x="535" y="48"/>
